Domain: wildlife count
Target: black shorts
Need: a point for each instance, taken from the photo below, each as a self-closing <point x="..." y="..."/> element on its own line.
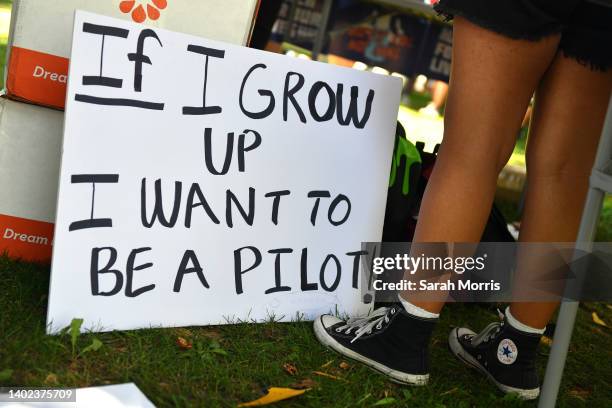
<point x="585" y="25"/>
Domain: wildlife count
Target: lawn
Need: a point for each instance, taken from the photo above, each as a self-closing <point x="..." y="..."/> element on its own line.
<point x="234" y="363"/>
<point x="5" y="18"/>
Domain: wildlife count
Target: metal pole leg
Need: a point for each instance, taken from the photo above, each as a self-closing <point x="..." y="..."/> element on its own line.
<point x="558" y="354"/>
<point x="568" y="310"/>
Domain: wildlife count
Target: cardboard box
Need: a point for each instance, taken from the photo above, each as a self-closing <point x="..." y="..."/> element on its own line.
<point x="30" y="149"/>
<point x="40" y="35"/>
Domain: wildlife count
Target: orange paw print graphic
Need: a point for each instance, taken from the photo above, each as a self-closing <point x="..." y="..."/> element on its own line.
<point x="138" y="11"/>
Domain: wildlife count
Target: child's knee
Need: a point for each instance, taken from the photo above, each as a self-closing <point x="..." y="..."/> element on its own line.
<point x="563" y="168"/>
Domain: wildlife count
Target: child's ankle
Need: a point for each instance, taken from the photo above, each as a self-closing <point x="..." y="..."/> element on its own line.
<point x="516" y="324"/>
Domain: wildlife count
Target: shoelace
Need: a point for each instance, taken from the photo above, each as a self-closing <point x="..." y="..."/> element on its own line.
<point x="365" y="325"/>
<point x="488" y="332"/>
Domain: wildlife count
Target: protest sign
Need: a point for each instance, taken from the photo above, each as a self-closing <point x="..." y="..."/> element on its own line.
<point x="203" y="182"/>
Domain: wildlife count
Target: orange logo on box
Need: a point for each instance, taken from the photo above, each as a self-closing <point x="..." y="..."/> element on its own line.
<point x="26" y="239"/>
<point x="37" y="77"/>
<point x="137" y="8"/>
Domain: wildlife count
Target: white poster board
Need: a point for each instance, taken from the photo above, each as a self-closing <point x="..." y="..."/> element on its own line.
<point x="267" y="236"/>
<point x="126" y="395"/>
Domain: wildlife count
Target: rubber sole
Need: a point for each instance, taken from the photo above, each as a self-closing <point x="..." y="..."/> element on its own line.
<point x="394" y="375"/>
<point x="458" y="350"/>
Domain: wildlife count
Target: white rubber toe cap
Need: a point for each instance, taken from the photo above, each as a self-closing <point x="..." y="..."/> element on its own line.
<point x="453" y="339"/>
<point x="328" y="320"/>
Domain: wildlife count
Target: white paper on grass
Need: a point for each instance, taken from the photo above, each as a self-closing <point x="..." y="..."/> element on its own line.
<point x="140" y="143"/>
<point x="109" y="396"/>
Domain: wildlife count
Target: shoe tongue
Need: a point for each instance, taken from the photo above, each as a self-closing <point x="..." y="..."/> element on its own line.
<point x="484" y="334"/>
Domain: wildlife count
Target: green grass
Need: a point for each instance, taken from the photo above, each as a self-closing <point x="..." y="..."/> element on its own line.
<point x="518" y="155"/>
<point x="4" y="4"/>
<point x="234" y="363"/>
<point x="418" y="100"/>
<point x="604" y="230"/>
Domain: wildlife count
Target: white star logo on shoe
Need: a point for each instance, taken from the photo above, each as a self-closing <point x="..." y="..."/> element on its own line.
<point x="507" y="351"/>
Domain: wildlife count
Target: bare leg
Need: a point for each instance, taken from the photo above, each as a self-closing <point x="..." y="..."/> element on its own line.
<point x="492" y="81"/>
<point x="439" y="91"/>
<point x="570" y="108"/>
<point x="438" y="97"/>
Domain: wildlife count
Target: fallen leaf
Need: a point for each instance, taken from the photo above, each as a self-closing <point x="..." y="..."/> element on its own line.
<point x="51" y="379"/>
<point x="274" y="394"/>
<point x="183" y="343"/>
<point x="609" y="307"/>
<point x="385" y="401"/>
<point x="304" y="383"/>
<point x="333" y="377"/>
<point x="579" y="393"/>
<point x="546" y="340"/>
<point x="290" y="369"/>
<point x="597" y="320"/>
<point x="344" y="365"/>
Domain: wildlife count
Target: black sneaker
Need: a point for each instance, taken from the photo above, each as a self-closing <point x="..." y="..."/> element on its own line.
<point x="389" y="341"/>
<point x="505" y="354"/>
